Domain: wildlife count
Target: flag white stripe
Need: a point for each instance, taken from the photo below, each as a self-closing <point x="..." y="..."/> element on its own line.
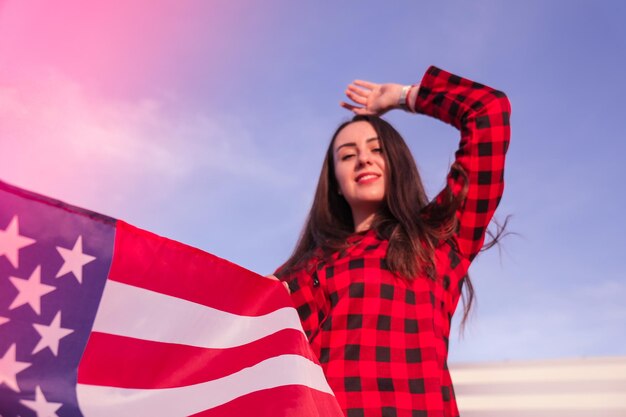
<point x="97" y="401"/>
<point x="126" y="310"/>
<point x="543" y="402"/>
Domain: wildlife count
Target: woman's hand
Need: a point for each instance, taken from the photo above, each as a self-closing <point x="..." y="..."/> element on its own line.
<point x="273" y="277"/>
<point x="371" y="98"/>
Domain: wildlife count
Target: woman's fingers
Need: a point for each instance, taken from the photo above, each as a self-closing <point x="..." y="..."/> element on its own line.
<point x="347" y="106"/>
<point x="366" y="84"/>
<point x="371" y="98"/>
<point x="358" y="90"/>
<point x="274" y="278"/>
<point x="354" y="109"/>
<point x="357" y="98"/>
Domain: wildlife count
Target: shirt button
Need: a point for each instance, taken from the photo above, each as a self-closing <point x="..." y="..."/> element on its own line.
<point x="316" y="281"/>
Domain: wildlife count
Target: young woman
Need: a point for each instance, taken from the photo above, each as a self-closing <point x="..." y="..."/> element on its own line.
<point x="378" y="271"/>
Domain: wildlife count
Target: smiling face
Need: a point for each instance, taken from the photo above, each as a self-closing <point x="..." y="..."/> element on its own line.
<point x="359" y="167"/>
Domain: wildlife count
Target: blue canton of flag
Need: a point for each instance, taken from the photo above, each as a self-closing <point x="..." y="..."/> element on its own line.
<point x="51" y="279"/>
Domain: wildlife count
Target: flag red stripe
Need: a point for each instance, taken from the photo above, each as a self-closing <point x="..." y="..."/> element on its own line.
<point x="285" y="401"/>
<point x="149" y="261"/>
<point x="125" y="362"/>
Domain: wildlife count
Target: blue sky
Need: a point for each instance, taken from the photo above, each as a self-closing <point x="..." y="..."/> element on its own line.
<point x="207" y="122"/>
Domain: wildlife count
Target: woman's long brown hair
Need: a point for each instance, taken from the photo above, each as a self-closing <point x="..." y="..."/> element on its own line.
<point x="413" y="226"/>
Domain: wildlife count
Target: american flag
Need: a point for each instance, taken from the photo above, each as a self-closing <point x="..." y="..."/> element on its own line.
<point x="99" y="318"/>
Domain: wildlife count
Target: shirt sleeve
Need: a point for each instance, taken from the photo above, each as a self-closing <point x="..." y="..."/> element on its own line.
<point x="482" y="116"/>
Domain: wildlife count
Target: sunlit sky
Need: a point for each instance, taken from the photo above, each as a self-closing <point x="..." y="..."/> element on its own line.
<point x="206" y="122"/>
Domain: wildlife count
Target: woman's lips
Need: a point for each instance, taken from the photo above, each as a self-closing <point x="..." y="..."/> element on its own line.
<point x="367" y="177"/>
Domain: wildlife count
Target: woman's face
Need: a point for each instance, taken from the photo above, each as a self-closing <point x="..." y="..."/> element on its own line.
<point x="360" y="166"/>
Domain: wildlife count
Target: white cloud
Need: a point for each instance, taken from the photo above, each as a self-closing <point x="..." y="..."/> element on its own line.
<point x="57" y="139"/>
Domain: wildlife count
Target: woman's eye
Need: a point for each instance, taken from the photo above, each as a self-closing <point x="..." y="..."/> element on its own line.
<point x="347" y="156"/>
<point x="378" y="150"/>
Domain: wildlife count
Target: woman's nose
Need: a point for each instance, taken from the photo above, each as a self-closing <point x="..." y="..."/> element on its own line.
<point x="364" y="158"/>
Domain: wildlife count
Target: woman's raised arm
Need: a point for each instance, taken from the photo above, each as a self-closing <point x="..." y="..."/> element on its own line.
<point x="482" y="116"/>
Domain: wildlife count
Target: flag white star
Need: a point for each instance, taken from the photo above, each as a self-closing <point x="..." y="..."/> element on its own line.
<point x="41" y="406"/>
<point x="11" y="242"/>
<point x="9" y="368"/>
<point x="74" y="260"/>
<point x="51" y="335"/>
<point x="3" y="320"/>
<point x="30" y="290"/>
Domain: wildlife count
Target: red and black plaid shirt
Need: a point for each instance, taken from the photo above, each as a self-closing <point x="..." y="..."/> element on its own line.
<point x="382" y="340"/>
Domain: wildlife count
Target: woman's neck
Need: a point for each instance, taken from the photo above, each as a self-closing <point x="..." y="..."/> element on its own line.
<point x="363" y="220"/>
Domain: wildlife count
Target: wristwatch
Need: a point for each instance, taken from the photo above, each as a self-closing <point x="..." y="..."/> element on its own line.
<point x="403" y="96"/>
